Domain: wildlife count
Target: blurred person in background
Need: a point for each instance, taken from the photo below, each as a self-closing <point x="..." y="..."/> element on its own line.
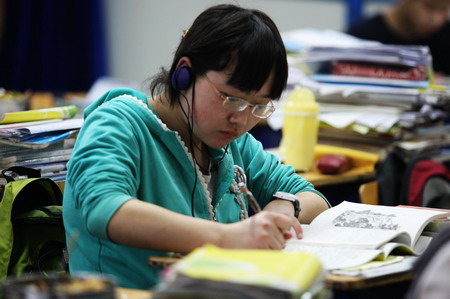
<point x="412" y="22"/>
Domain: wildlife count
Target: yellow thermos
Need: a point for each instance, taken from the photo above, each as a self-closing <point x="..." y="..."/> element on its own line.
<point x="300" y="129"/>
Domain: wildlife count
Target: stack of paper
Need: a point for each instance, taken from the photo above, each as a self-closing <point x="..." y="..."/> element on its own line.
<point x="383" y="65"/>
<point x="370" y="94"/>
<point x="41" y="139"/>
<point x="355" y="61"/>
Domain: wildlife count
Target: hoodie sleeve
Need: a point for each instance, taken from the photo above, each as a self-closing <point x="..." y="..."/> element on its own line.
<point x="266" y="175"/>
<point x="104" y="168"/>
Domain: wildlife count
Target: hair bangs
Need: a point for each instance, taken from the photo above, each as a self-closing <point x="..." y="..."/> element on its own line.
<point x="246" y="43"/>
<point x="256" y="59"/>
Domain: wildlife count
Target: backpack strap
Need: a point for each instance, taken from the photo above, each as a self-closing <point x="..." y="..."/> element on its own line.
<point x="405" y="183"/>
<point x="12" y="173"/>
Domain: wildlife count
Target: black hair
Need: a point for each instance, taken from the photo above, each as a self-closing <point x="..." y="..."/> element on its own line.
<point x="227" y="36"/>
<point x="245" y="42"/>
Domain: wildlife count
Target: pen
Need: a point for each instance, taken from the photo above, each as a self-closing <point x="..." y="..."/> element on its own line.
<point x="251" y="199"/>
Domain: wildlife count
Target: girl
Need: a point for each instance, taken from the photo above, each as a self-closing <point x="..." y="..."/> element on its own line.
<point x="151" y="175"/>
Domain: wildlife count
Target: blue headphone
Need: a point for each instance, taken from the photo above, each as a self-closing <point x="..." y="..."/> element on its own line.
<point x="181" y="78"/>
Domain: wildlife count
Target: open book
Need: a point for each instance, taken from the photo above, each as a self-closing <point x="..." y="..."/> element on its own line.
<point x="352" y="234"/>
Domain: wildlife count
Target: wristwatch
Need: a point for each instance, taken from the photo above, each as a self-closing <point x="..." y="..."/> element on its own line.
<point x="289" y="197"/>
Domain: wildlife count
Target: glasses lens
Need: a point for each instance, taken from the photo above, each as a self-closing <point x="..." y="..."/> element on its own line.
<point x="235" y="104"/>
<point x="263" y="111"/>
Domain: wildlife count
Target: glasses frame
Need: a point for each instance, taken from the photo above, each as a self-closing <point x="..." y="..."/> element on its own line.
<point x="243" y="103"/>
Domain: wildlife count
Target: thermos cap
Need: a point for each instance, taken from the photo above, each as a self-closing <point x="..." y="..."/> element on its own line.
<point x="301" y="100"/>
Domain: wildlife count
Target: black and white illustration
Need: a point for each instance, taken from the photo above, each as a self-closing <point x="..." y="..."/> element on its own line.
<point x="367" y="219"/>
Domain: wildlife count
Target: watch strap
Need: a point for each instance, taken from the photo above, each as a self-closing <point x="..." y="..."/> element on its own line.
<point x="289" y="197"/>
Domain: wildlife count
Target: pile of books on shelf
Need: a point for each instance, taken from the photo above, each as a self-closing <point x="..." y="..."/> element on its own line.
<point x="40" y="139"/>
<point x="371" y="95"/>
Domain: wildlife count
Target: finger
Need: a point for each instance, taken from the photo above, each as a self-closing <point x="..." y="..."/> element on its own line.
<point x="277" y="242"/>
<point x="290" y="234"/>
<point x="273" y="236"/>
<point x="289" y="226"/>
<point x="275" y="228"/>
<point x="272" y="228"/>
<point x="265" y="229"/>
<point x="297" y="228"/>
<point x="286" y="230"/>
<point x="280" y="239"/>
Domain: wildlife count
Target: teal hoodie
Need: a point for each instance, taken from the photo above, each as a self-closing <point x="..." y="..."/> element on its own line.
<point x="125" y="151"/>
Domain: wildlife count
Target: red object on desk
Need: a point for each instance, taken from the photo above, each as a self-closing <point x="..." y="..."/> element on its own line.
<point x="333" y="164"/>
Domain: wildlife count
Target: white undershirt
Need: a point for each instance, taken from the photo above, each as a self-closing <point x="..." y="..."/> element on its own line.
<point x="210" y="181"/>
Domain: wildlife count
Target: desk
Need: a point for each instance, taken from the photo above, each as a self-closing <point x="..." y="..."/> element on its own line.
<point x="345" y="185"/>
<point x="353" y="175"/>
<point x="387" y="286"/>
<point x="361" y="171"/>
<point x="351" y="283"/>
<point x="123" y="293"/>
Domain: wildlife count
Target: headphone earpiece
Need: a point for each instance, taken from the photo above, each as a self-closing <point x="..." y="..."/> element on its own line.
<point x="181" y="78"/>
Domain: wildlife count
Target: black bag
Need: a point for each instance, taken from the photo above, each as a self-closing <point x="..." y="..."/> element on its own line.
<point x="421" y="181"/>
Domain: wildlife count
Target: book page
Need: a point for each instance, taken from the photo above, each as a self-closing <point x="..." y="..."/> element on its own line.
<point x="420" y="246"/>
<point x="335" y="257"/>
<point x="367" y="226"/>
<point x="405" y="264"/>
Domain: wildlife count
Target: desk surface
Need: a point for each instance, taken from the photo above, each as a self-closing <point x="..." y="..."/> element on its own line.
<point x="351" y="283"/>
<point x="352" y="175"/>
<point x="123" y="293"/>
<point x="365" y="172"/>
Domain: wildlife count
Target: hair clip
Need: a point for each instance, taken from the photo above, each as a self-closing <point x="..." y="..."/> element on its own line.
<point x="185" y="33"/>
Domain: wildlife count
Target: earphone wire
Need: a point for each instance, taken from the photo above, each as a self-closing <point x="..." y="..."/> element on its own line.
<point x="190" y="119"/>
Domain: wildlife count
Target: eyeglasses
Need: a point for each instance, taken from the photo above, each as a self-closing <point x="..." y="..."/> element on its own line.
<point x="237" y="104"/>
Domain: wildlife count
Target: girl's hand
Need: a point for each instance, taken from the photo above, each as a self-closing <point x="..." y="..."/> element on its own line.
<point x="265" y="230"/>
<point x="286" y="208"/>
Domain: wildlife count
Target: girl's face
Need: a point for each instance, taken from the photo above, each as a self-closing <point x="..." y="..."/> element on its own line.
<point x="216" y="125"/>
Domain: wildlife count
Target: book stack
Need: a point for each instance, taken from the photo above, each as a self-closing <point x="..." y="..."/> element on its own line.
<point x="371" y="95"/>
<point x="367" y="70"/>
<point x="380" y="65"/>
<point x="212" y="272"/>
<point x="41" y="139"/>
<point x="394" y="75"/>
